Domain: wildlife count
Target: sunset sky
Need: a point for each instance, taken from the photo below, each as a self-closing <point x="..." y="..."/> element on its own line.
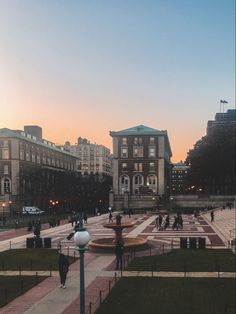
<point x="86" y="67"/>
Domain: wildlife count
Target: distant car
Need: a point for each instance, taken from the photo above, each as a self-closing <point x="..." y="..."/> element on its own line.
<point x="32" y="210"/>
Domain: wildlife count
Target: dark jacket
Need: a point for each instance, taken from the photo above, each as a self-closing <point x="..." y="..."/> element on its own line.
<point x="63" y="263"/>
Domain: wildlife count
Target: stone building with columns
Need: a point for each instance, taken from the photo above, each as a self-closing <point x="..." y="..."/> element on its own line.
<point x="140" y="166"/>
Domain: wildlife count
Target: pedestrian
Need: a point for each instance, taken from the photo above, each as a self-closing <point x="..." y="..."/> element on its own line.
<point x="167" y="224"/>
<point x="129" y="212"/>
<point x="85" y="217"/>
<point x="110" y="217"/>
<point x="119" y="251"/>
<point x="212" y="216"/>
<point x="160" y="222"/>
<point x="16" y="224"/>
<point x="63" y="266"/>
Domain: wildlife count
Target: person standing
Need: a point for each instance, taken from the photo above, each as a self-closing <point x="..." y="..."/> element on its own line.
<point x="63" y="266"/>
<point x="119" y="251"/>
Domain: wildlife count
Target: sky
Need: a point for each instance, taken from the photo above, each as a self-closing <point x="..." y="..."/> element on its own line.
<point x="87" y="67"/>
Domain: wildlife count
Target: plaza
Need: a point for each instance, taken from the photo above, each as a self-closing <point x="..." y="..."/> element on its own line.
<point x="100" y="272"/>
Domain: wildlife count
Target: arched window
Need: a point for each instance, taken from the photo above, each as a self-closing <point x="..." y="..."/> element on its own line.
<point x="137" y="183"/>
<point x="152" y="183"/>
<point x="6" y="186"/>
<point x="124" y="184"/>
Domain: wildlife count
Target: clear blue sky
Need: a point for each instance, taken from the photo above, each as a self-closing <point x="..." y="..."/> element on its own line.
<point x="83" y="68"/>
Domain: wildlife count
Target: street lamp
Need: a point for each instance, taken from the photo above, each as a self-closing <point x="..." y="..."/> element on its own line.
<point x="81" y="239"/>
<point x="3" y="218"/>
<point x="10" y="203"/>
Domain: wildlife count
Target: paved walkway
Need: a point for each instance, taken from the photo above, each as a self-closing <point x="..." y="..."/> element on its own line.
<point x="46" y="297"/>
<point x="224" y="223"/>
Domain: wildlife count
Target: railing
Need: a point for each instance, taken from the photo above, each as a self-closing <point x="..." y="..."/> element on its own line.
<point x="93" y="306"/>
<point x="127" y="259"/>
<point x="6" y="293"/>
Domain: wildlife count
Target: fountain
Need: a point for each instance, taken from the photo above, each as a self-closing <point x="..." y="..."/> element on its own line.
<point x="106" y="244"/>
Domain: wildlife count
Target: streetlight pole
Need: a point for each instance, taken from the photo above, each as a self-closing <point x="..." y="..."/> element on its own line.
<point x="81" y="239"/>
<point x="3" y="216"/>
<point x="10" y="203"/>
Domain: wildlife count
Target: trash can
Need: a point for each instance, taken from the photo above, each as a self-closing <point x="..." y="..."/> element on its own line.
<point x="183" y="243"/>
<point x="38" y="243"/>
<point x="29" y="243"/>
<point x="201" y="243"/>
<point x="192" y="243"/>
<point x="47" y="243"/>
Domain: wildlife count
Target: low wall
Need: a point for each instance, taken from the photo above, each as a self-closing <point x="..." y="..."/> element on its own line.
<point x="200" y="201"/>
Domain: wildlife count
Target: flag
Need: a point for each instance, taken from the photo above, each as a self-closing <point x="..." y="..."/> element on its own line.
<point x="223" y="101"/>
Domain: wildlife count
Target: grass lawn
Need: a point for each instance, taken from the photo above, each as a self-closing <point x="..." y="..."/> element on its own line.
<point x="30" y="259"/>
<point x="171" y="295"/>
<point x="191" y="260"/>
<point x="13" y="286"/>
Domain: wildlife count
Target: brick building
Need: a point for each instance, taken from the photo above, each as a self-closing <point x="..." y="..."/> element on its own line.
<point x="141" y="163"/>
<point x="32" y="170"/>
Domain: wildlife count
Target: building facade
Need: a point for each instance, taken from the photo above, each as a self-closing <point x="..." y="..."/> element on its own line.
<point x="179" y="174"/>
<point x="32" y="170"/>
<point x="223" y="120"/>
<point x="91" y="158"/>
<point x="141" y="161"/>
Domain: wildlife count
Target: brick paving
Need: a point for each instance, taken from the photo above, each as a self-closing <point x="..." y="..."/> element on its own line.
<point x="98" y="272"/>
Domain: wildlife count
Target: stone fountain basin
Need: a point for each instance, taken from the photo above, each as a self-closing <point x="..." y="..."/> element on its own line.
<point x="119" y="227"/>
<point x="108" y="244"/>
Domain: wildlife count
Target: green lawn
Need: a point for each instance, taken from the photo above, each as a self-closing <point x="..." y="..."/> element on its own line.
<point x="189" y="260"/>
<point x="171" y="296"/>
<point x="30" y="259"/>
<point x="13" y="286"/>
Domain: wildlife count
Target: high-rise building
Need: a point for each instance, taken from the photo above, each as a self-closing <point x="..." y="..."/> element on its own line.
<point x="91" y="158"/>
<point x="32" y="169"/>
<point x="179" y="173"/>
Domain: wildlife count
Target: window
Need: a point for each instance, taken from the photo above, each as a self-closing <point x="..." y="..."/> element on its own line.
<point x="152" y="140"/>
<point x="151" y="152"/>
<point x="33" y="156"/>
<point x="5" y="153"/>
<point x="7" y="185"/>
<point x="38" y="158"/>
<point x="6" y="169"/>
<point x="140" y="141"/>
<point x="124" y="184"/>
<point x="138" y="166"/>
<point x="124" y="166"/>
<point x="138" y="151"/>
<point x="138" y="180"/>
<point x="124" y="152"/>
<point x="124" y="141"/>
<point x="151" y="166"/>
<point x="135" y="140"/>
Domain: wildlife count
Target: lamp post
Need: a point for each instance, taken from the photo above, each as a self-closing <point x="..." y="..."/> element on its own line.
<point x="10" y="203"/>
<point x="3" y="216"/>
<point x="81" y="239"/>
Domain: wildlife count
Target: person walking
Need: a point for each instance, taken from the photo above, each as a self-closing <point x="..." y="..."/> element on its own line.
<point x="110" y="217"/>
<point x="63" y="266"/>
<point x="212" y="215"/>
